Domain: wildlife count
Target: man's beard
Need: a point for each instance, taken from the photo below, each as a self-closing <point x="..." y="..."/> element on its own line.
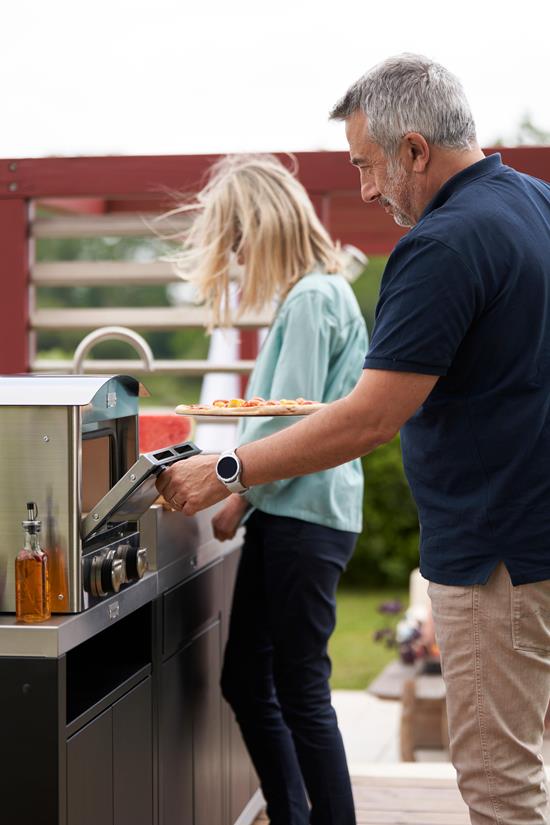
<point x="396" y="187"/>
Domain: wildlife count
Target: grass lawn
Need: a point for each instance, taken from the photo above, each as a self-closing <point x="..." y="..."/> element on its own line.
<point x="356" y="658"/>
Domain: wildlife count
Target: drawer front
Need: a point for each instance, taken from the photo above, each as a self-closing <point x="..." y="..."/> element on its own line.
<point x="190" y="606"/>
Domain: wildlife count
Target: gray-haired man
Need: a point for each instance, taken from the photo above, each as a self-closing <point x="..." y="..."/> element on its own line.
<point x="460" y="363"/>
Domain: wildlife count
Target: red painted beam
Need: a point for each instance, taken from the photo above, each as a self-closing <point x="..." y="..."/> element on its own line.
<point x="14" y="306"/>
<point x="125" y="177"/>
<point x="248" y="349"/>
<point x="110" y="177"/>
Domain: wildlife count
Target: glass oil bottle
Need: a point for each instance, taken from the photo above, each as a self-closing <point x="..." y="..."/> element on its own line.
<point x="32" y="590"/>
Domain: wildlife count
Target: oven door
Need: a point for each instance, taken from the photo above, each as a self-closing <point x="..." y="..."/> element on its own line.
<point x="133" y="494"/>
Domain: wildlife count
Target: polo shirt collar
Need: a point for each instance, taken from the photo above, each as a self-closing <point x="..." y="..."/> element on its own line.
<point x="476" y="170"/>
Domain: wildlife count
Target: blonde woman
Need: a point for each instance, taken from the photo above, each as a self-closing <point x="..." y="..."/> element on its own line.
<point x="301" y="532"/>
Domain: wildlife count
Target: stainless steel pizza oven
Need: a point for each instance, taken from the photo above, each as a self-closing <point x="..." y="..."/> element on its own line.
<point x="70" y="444"/>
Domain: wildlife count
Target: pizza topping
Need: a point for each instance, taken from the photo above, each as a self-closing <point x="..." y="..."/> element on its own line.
<point x="256" y="401"/>
<point x="253" y="406"/>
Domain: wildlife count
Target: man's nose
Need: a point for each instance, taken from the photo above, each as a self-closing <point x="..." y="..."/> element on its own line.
<point x="369" y="192"/>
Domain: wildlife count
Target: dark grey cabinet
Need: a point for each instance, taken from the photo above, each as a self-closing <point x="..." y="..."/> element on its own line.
<point x="191" y="777"/>
<point x="175" y="742"/>
<point x="207" y="727"/>
<point x="133" y="757"/>
<point x="31" y="691"/>
<point x="129" y="727"/>
<point x="242" y="782"/>
<point x="90" y="773"/>
<point x="110" y="765"/>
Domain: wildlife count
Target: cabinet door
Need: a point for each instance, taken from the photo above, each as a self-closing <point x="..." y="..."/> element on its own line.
<point x="238" y="765"/>
<point x="90" y="773"/>
<point x="190" y="734"/>
<point x="176" y="742"/>
<point x="207" y="727"/>
<point x="31" y="731"/>
<point x="133" y="757"/>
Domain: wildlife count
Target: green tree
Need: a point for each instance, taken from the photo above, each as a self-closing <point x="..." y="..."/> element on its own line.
<point x="387" y="549"/>
<point x="527" y="133"/>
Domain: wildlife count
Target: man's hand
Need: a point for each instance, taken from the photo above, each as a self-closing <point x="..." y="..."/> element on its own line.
<point x="191" y="484"/>
<point x="227" y="520"/>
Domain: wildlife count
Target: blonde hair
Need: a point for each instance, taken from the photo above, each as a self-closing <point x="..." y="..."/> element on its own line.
<point x="252" y="208"/>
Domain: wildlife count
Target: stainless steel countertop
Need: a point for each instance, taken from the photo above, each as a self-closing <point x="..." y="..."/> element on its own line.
<point x="60" y="634"/>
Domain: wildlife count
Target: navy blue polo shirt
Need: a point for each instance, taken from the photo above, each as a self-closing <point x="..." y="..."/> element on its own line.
<point x="466" y="296"/>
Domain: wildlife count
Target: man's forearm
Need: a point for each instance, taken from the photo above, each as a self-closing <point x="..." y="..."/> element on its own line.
<point x="325" y="439"/>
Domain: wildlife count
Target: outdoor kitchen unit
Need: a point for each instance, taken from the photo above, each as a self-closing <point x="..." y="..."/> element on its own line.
<point x="117" y="700"/>
<point x="70" y="444"/>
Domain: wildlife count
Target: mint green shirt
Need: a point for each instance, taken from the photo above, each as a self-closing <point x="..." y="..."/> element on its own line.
<point x="315" y="349"/>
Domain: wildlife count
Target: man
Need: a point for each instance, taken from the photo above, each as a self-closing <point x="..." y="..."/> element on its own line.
<point x="460" y="363"/>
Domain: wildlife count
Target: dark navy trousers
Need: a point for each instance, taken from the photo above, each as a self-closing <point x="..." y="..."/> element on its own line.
<point x="276" y="667"/>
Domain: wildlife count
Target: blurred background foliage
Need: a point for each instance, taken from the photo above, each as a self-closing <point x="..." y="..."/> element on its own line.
<point x="388" y="547"/>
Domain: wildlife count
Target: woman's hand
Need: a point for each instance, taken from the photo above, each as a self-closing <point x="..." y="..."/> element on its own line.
<point x="226" y="521"/>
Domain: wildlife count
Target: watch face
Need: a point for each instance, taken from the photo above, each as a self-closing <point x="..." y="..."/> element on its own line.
<point x="227" y="468"/>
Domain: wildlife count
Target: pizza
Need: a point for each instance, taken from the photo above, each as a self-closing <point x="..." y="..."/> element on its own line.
<point x="253" y="406"/>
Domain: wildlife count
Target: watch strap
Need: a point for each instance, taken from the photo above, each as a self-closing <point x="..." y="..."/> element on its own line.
<point x="236" y="487"/>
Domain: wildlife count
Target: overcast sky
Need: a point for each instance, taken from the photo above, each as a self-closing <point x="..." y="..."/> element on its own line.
<point x="94" y="77"/>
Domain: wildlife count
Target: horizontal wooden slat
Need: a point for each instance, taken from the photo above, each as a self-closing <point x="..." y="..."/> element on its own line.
<point x="103" y="273"/>
<point x="161" y="318"/>
<point x="162" y="367"/>
<point x="110" y="225"/>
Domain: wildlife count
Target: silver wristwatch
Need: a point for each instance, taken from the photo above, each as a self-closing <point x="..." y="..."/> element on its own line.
<point x="228" y="471"/>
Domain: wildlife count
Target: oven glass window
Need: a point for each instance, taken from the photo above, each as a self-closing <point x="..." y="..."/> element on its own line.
<point x="96" y="470"/>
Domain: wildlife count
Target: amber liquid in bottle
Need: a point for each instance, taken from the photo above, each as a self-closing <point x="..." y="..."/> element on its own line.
<point x="32" y="590"/>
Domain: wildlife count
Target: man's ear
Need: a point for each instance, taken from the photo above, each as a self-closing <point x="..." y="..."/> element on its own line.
<point x="417" y="150"/>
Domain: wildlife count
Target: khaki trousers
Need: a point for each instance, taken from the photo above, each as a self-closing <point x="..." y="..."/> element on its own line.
<point x="495" y="651"/>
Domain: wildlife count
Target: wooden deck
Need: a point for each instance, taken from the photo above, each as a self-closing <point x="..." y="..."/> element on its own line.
<point x="400" y="801"/>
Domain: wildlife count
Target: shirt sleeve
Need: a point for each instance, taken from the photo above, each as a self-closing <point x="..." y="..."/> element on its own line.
<point x="428" y="299"/>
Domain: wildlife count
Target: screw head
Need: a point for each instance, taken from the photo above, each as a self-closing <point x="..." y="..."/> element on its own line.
<point x="96" y="516"/>
<point x="60" y="597"/>
<point x="45" y="438"/>
<point x="13" y="186"/>
<point x="12" y="166"/>
<point x="132" y="476"/>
